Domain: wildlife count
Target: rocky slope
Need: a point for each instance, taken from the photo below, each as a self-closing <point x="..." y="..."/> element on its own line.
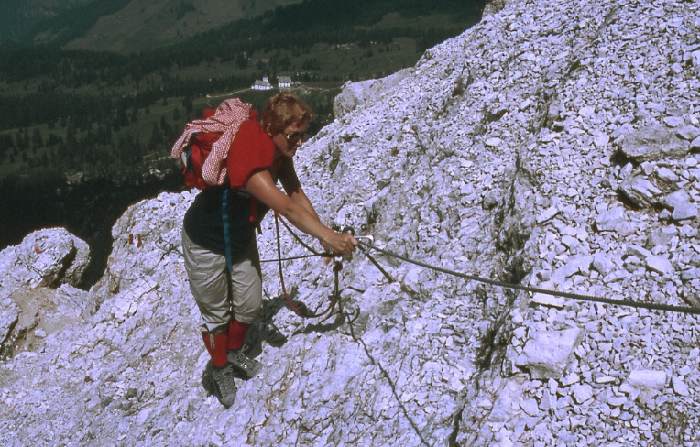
<point x="555" y="144"/>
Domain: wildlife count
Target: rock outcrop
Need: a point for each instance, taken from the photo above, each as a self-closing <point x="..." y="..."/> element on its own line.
<point x="46" y="258"/>
<point x="29" y="273"/>
<point x="520" y="151"/>
<point x="363" y="93"/>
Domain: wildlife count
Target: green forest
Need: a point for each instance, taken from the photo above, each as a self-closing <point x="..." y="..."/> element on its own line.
<point x="98" y="114"/>
<point x="83" y="134"/>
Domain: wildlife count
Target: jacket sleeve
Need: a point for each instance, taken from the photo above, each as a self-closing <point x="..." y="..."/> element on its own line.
<point x="251" y="151"/>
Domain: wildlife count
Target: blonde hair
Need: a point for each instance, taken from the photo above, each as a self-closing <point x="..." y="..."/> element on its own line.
<point x="282" y="110"/>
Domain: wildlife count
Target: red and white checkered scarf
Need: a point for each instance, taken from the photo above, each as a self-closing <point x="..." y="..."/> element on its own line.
<point x="227" y="118"/>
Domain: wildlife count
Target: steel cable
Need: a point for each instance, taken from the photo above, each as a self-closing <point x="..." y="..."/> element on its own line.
<point x="574" y="296"/>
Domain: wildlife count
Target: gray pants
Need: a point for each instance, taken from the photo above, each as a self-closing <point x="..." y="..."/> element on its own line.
<point x="210" y="285"/>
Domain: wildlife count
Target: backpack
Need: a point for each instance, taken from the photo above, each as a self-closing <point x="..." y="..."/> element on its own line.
<point x="203" y="146"/>
<point x="202" y="150"/>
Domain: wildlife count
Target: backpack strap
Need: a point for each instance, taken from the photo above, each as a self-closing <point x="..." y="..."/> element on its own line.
<point x="226" y="219"/>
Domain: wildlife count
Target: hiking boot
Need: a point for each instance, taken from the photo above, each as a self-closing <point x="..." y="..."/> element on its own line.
<point x="207" y="381"/>
<point x="273" y="336"/>
<point x="223" y="385"/>
<point x="242" y="363"/>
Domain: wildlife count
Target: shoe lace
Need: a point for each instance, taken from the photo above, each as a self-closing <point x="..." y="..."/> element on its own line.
<point x="243" y="360"/>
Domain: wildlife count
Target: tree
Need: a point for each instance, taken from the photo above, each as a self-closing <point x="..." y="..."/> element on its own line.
<point x="121" y="118"/>
<point x="187" y="104"/>
<point x="242" y="61"/>
<point x="37" y="139"/>
<point x="156" y="138"/>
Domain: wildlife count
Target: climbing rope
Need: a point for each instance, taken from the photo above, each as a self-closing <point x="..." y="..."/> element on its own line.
<point x="299" y="239"/>
<point x="376" y="264"/>
<point x="365" y="247"/>
<point x="297" y="306"/>
<point x="291" y="258"/>
<point x="574" y="296"/>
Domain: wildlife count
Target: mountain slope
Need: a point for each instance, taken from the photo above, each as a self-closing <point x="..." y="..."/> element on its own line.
<point x="120" y="25"/>
<point x="141" y="26"/>
<point x="18" y="18"/>
<point x="554" y="144"/>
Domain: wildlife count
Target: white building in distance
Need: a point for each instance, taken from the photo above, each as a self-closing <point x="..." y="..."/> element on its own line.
<point x="262" y="85"/>
<point x="284" y="82"/>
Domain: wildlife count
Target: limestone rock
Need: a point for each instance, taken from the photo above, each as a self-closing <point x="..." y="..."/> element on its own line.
<point x="683" y="208"/>
<point x="548" y="300"/>
<point x="359" y="94"/>
<point x="614" y="220"/>
<point x="647" y="378"/>
<point x="602" y="263"/>
<point x="507" y="400"/>
<point x="688" y="132"/>
<point x="46" y="258"/>
<point x="546" y="354"/>
<point x="696" y="62"/>
<point x="679" y="386"/>
<point x="547" y="214"/>
<point x="582" y="393"/>
<point x="577" y="264"/>
<point x="695" y="144"/>
<point x="640" y="190"/>
<point x="9" y="315"/>
<point x="432" y="358"/>
<point x="659" y="264"/>
<point x="652" y="143"/>
<point x="530" y="407"/>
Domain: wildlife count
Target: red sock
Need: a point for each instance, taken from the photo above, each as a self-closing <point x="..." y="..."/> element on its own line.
<point x="236" y="334"/>
<point x="208" y="342"/>
<point x="216" y="346"/>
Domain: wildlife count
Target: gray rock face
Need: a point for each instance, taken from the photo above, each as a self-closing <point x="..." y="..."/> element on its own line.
<point x="640" y="190"/>
<point x="652" y="143"/>
<point x="363" y="93"/>
<point x="679" y="202"/>
<point x="582" y="393"/>
<point x="695" y="144"/>
<point x="546" y="354"/>
<point x="645" y="378"/>
<point x="688" y="132"/>
<point x="8" y="321"/>
<point x="45" y="258"/>
<point x="495" y="156"/>
<point x="659" y="264"/>
<point x="614" y="220"/>
<point x="679" y="386"/>
<point x="696" y="62"/>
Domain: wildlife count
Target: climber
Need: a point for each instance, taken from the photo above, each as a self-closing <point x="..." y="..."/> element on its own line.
<point x="229" y="301"/>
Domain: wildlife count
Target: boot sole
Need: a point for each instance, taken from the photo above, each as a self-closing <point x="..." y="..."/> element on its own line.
<point x="207" y="381"/>
<point x="245" y="373"/>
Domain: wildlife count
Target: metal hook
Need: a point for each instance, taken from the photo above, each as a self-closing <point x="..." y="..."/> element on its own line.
<point x="369" y="237"/>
